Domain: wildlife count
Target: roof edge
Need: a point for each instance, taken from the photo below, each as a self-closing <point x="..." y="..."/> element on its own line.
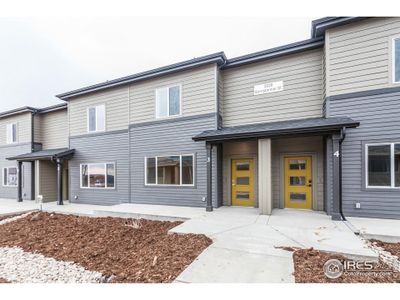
<point x="17" y="111"/>
<point x="292" y="48"/>
<point x="218" y="58"/>
<point x="52" y="108"/>
<point x="319" y="26"/>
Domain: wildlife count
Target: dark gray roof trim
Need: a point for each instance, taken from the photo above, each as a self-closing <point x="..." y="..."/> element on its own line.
<point x="319" y="26"/>
<point x="218" y="58"/>
<point x="275" y="52"/>
<point x="281" y="128"/>
<point x="51" y="154"/>
<point x="16" y="111"/>
<point x="52" y="108"/>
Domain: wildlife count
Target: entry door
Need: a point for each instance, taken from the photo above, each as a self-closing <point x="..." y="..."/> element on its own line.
<point x="242" y="182"/>
<point x="298" y="182"/>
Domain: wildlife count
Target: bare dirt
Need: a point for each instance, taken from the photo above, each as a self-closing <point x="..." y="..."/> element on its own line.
<point x="309" y="263"/>
<point x="393" y="248"/>
<point x="126" y="250"/>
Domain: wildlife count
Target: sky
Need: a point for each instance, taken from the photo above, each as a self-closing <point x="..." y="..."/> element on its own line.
<point x="44" y="56"/>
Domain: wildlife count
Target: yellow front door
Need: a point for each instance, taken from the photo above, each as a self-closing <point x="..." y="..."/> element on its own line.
<point x="298" y="182"/>
<point x="242" y="182"/>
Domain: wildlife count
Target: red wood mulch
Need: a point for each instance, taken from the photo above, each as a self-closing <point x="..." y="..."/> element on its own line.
<point x="393" y="248"/>
<point x="111" y="246"/>
<point x="2" y="280"/>
<point x="309" y="263"/>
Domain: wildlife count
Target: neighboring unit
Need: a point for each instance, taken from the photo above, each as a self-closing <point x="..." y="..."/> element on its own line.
<point x="310" y="125"/>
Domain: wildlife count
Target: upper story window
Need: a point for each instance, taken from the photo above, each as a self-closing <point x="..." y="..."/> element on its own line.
<point x="383" y="165"/>
<point x="11" y="133"/>
<point x="396" y="60"/>
<point x="96" y="118"/>
<point x="168" y="101"/>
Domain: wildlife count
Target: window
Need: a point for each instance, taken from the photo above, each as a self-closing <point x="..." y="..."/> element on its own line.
<point x="169" y="170"/>
<point x="10" y="176"/>
<point x="11" y="133"/>
<point x="98" y="175"/>
<point x="96" y="117"/>
<point x="383" y="165"/>
<point x="396" y="60"/>
<point x="168" y="101"/>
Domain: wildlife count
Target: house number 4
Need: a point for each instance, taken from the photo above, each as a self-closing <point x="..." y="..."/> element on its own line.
<point x="336" y="153"/>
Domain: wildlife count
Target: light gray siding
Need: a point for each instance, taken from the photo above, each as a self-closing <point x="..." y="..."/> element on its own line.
<point x="52" y="131"/>
<point x="23" y="122"/>
<point x="116" y="104"/>
<point x="302" y="96"/>
<point x="102" y="148"/>
<point x="198" y="93"/>
<point x="359" y="55"/>
<point x="170" y="138"/>
<point x="12" y="192"/>
<point x="380" y="122"/>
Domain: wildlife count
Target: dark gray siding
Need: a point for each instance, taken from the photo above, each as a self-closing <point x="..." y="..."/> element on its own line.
<point x="380" y="122"/>
<point x="9" y="151"/>
<point x="109" y="147"/>
<point x="170" y="138"/>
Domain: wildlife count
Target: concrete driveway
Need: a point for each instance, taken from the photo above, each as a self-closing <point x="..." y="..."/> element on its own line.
<point x="247" y="245"/>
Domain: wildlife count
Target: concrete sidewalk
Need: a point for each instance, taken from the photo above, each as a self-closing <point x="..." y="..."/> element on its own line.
<point x="387" y="230"/>
<point x="247" y="245"/>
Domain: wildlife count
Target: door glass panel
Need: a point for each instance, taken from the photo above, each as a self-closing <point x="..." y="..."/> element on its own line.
<point x="242" y="195"/>
<point x="297" y="197"/>
<point x="397" y="164"/>
<point x="297" y="180"/>
<point x="297" y="164"/>
<point x="243" y="180"/>
<point x="242" y="166"/>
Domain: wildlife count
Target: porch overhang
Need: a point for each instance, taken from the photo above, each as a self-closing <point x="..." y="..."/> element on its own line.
<point x="314" y="126"/>
<point x="51" y="154"/>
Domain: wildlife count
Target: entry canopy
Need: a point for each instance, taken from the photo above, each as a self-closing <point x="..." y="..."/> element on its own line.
<point x="316" y="126"/>
<point x="51" y="154"/>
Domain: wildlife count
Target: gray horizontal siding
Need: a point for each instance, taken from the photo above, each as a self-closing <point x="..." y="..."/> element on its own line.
<point x="111" y="147"/>
<point x="12" y="192"/>
<point x="379" y="118"/>
<point x="170" y="138"/>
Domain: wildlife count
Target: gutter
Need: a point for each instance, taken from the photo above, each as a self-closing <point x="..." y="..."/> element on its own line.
<point x="342" y="137"/>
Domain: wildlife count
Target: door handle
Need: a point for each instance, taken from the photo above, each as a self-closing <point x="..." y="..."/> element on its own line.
<point x="309" y="183"/>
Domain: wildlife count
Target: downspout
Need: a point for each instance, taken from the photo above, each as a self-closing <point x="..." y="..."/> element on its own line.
<point x="342" y="137"/>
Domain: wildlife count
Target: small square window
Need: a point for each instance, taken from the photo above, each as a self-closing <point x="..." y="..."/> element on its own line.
<point x="168" y="101"/>
<point x="96" y="118"/>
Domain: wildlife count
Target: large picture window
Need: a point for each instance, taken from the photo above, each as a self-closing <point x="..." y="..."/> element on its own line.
<point x="10" y="176"/>
<point x="383" y="165"/>
<point x="396" y="60"/>
<point x="98" y="175"/>
<point x="170" y="170"/>
<point x="96" y="117"/>
<point x="168" y="101"/>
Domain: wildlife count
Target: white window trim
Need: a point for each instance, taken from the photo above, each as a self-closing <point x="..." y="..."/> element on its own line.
<point x="105" y="174"/>
<point x="16" y="134"/>
<point x="392" y="172"/>
<point x="2" y="177"/>
<point x="394" y="60"/>
<point x="180" y="101"/>
<point x="180" y="171"/>
<point x="97" y="126"/>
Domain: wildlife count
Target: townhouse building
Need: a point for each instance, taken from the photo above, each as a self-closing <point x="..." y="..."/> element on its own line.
<point x="310" y="125"/>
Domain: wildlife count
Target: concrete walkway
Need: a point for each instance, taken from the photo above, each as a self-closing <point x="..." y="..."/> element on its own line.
<point x="386" y="230"/>
<point x="246" y="244"/>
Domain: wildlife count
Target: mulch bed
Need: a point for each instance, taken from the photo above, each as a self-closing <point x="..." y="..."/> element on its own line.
<point x="393" y="248"/>
<point x="9" y="216"/>
<point x="309" y="263"/>
<point x="112" y="246"/>
<point x="2" y="280"/>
